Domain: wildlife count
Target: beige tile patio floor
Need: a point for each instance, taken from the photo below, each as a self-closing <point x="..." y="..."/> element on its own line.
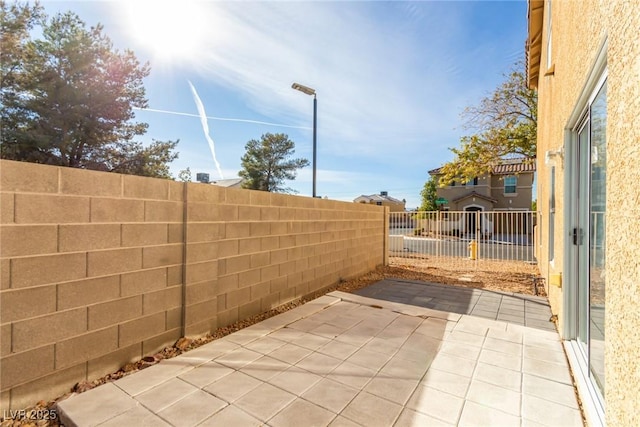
<point x="349" y="360"/>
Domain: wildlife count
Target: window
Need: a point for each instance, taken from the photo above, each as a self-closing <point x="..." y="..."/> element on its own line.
<point x="379" y="203"/>
<point x="473" y="181"/>
<point x="510" y="184"/>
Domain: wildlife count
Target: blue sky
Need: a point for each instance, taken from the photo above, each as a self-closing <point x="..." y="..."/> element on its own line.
<point x="391" y="79"/>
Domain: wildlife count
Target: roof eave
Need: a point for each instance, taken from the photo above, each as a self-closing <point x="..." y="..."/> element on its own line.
<point x="534" y="41"/>
<point x="474" y="194"/>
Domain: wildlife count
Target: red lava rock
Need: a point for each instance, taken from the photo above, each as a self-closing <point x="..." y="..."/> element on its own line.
<point x="129" y="367"/>
<point x="83" y="386"/>
<point x="183" y="343"/>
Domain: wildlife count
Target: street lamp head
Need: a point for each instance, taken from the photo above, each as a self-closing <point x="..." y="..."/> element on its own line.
<point x="303" y="89"/>
<point x="309" y="91"/>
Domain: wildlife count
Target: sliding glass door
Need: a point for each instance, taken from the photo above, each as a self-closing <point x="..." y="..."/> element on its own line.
<point x="589" y="234"/>
<point x="597" y="235"/>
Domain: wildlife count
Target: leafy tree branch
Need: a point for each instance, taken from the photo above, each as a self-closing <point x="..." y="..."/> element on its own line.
<point x="504" y="125"/>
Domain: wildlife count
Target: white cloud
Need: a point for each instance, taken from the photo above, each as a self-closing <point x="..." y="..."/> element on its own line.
<point x="391" y="78"/>
<point x="376" y="82"/>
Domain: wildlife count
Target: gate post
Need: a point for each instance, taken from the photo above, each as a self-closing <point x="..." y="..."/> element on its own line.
<point x="385" y="233"/>
<point x="438" y="233"/>
<point x="478" y="232"/>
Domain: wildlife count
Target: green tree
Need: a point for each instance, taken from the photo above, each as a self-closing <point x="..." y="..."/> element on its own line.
<point x="68" y="98"/>
<point x="267" y="163"/>
<point x="17" y="20"/>
<point x="133" y="158"/>
<point x="504" y="125"/>
<point x="428" y="195"/>
<point x="185" y="175"/>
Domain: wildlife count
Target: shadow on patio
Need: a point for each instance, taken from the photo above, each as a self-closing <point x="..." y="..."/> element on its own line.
<point x="346" y="359"/>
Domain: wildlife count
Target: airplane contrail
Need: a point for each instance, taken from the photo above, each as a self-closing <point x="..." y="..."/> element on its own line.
<point x="205" y="127"/>
<point x="225" y="119"/>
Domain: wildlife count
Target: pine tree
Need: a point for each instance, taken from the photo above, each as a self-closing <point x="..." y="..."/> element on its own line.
<point x="267" y="163"/>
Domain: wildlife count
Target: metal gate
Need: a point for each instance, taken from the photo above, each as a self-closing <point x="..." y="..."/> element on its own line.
<point x="473" y="235"/>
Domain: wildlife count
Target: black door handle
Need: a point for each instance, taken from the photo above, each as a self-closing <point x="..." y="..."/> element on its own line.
<point x="577" y="236"/>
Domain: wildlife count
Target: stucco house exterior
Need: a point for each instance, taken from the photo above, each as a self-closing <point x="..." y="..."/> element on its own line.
<point x="508" y="186"/>
<point x="383" y="199"/>
<point x="584" y="59"/>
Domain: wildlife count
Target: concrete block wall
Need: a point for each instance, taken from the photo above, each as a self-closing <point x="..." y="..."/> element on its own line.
<point x="249" y="251"/>
<point x="100" y="269"/>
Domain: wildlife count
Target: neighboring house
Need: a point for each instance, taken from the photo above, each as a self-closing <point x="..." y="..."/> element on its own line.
<point x="231" y="182"/>
<point x="507" y="187"/>
<point x="383" y="199"/>
<point x="584" y="59"/>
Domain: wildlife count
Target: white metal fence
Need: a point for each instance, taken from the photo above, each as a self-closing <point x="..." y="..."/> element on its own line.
<point x="497" y="235"/>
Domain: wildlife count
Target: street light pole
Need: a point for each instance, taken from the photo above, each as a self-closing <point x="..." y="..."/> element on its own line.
<point x="309" y="91"/>
<point x="315" y="127"/>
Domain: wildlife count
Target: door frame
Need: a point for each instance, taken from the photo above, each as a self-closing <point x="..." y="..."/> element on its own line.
<point x="593" y="400"/>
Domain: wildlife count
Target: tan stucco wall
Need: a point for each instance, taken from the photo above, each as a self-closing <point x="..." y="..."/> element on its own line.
<point x="470" y="202"/>
<point x="93" y="266"/>
<point x="622" y="351"/>
<point x="579" y="29"/>
<point x="574" y="50"/>
<point x="492" y="187"/>
<point x="524" y="191"/>
<point x="457" y="191"/>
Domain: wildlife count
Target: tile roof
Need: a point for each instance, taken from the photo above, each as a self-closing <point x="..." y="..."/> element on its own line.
<point x="514" y="166"/>
<point x="506" y="167"/>
<point x="379" y="198"/>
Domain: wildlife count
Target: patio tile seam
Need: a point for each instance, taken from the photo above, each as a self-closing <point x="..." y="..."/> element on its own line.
<point x="358" y="422"/>
<point x="322" y="375"/>
<point x="293" y="402"/>
<point x="133" y="396"/>
<point x="491" y="408"/>
<point x="341" y="412"/>
<point x="520" y="404"/>
<point x="160" y="415"/>
<point x="352" y="399"/>
<point x="570" y="382"/>
<point x="540" y="396"/>
<point x="436" y="416"/>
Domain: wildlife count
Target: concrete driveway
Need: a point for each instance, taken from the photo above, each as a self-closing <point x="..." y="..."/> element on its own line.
<point x="350" y="360"/>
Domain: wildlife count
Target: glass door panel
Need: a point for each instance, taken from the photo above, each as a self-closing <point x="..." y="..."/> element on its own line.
<point x="582" y="224"/>
<point x="597" y="234"/>
<point x="589" y="236"/>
